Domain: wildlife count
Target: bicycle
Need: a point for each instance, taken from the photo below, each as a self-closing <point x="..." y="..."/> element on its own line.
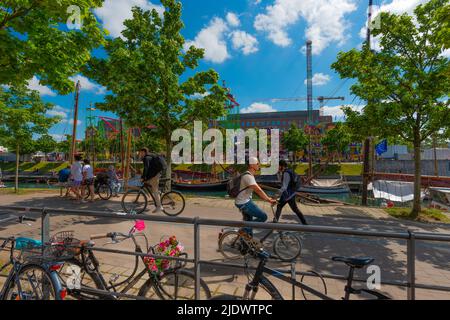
<point x="103" y="189"/>
<point x="174" y="284"/>
<point x="259" y="280"/>
<point x="136" y="201"/>
<point x="32" y="274"/>
<point x="287" y="246"/>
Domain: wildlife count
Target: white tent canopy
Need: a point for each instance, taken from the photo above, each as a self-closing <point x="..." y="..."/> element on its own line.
<point x="397" y="191"/>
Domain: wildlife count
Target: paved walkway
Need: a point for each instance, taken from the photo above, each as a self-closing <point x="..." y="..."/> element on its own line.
<point x="432" y="264"/>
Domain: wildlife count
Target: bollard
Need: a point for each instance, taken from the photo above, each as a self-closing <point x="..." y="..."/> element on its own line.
<point x="411" y="267"/>
<point x="197" y="258"/>
<point x="45" y="226"/>
<point x="294" y="278"/>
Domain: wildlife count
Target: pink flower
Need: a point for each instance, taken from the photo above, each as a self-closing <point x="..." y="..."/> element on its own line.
<point x="154" y="268"/>
<point x="180" y="248"/>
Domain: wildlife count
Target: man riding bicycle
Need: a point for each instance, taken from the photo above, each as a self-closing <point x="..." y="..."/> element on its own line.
<point x="154" y="166"/>
<point x="244" y="202"/>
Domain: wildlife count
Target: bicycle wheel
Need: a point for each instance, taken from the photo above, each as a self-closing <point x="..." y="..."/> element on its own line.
<point x="175" y="285"/>
<point x="315" y="281"/>
<point x="134" y="202"/>
<point x="287" y="246"/>
<point x="75" y="275"/>
<point x="32" y="283"/>
<point x="230" y="245"/>
<point x="173" y="203"/>
<point x="104" y="191"/>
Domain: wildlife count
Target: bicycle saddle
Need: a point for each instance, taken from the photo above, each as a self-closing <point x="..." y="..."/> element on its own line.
<point x="357" y="263"/>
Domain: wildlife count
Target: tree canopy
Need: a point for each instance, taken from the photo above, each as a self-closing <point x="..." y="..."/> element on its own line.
<point x="36" y="42"/>
<point x="406" y="83"/>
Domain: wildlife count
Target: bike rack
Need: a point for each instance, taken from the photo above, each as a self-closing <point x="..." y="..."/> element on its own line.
<point x="409" y="236"/>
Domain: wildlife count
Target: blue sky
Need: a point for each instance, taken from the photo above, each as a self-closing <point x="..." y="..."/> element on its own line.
<point x="256" y="47"/>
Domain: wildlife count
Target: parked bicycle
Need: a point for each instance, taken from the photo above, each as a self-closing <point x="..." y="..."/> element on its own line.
<point x="175" y="283"/>
<point x="287" y="246"/>
<point x="312" y="284"/>
<point x="101" y="187"/>
<point x="136" y="201"/>
<point x="32" y="269"/>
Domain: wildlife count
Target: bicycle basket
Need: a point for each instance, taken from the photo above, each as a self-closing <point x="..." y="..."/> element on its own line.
<point x="62" y="246"/>
<point x="171" y="248"/>
<point x="28" y="248"/>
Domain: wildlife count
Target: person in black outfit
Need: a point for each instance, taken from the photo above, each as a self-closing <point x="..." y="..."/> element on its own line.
<point x="151" y="177"/>
<point x="288" y="193"/>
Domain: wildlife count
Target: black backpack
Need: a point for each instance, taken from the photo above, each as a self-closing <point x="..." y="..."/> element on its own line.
<point x="296" y="181"/>
<point x="234" y="185"/>
<point x="158" y="164"/>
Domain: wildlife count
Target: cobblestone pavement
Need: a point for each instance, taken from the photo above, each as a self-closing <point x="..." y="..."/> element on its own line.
<point x="432" y="259"/>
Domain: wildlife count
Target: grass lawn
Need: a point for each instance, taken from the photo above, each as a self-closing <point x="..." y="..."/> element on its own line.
<point x="24" y="191"/>
<point x="427" y="215"/>
<point x="346" y="169"/>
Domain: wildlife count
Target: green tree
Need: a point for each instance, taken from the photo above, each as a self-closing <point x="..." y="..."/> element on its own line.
<point x="150" y="139"/>
<point x="22" y="114"/>
<point x="46" y="143"/>
<point x="35" y="41"/>
<point x="152" y="76"/>
<point x="337" y="140"/>
<point x="406" y="81"/>
<point x="295" y="140"/>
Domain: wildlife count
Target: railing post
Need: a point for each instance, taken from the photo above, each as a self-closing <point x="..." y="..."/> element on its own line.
<point x="411" y="265"/>
<point x="197" y="258"/>
<point x="45" y="226"/>
<point x="294" y="278"/>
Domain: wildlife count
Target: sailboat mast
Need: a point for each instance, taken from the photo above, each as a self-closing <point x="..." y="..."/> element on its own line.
<point x="367" y="143"/>
<point x="310" y="101"/>
<point x="73" y="148"/>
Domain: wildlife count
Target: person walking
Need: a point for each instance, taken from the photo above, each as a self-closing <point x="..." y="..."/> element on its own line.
<point x="76" y="174"/>
<point x="63" y="181"/>
<point x="88" y="180"/>
<point x="288" y="192"/>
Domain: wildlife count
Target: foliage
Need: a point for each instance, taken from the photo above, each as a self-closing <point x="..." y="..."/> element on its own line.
<point x="45" y="143"/>
<point x="35" y="41"/>
<point x="152" y="76"/>
<point x="406" y="82"/>
<point x="295" y="140"/>
<point x="337" y="139"/>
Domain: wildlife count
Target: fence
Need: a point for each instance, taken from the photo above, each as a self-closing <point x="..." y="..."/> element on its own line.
<point x="410" y="237"/>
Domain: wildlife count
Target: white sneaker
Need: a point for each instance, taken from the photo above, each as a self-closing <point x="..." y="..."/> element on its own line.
<point x="158" y="210"/>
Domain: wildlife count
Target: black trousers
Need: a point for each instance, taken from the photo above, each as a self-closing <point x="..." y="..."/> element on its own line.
<point x="293" y="204"/>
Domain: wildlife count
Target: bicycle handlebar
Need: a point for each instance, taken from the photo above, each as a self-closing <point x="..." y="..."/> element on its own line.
<point x="100" y="236"/>
<point x="20" y="219"/>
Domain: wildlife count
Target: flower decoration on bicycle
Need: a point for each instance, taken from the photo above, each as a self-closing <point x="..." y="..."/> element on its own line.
<point x="170" y="248"/>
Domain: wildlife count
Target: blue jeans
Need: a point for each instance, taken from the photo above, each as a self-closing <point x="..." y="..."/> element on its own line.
<point x="251" y="212"/>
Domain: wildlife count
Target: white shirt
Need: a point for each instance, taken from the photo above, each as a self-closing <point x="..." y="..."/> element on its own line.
<point x="89" y="171"/>
<point x="246" y="195"/>
<point x="76" y="171"/>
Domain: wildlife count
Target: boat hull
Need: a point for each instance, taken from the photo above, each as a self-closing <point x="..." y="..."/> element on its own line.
<point x="219" y="186"/>
<point x="325" y="190"/>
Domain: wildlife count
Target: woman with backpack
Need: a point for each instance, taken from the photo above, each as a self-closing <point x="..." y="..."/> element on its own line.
<point x="289" y="187"/>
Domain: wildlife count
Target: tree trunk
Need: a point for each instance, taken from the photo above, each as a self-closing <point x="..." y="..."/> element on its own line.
<point x="417" y="177"/>
<point x="16" y="185"/>
<point x="169" y="162"/>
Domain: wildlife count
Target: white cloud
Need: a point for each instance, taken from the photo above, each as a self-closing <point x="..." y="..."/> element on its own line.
<point x="320" y="79"/>
<point x="446" y="53"/>
<point x="87" y="85"/>
<point x="34" y="84"/>
<point x="212" y="39"/>
<point x="79" y="122"/>
<point x="258" y="107"/>
<point x="233" y="19"/>
<point x="58" y="137"/>
<point x="325" y="21"/>
<point x="114" y="12"/>
<point x="199" y="95"/>
<point x="58" y="111"/>
<point x="243" y="41"/>
<point x="337" y="111"/>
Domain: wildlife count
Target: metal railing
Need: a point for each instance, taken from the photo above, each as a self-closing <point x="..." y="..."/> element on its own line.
<point x="409" y="236"/>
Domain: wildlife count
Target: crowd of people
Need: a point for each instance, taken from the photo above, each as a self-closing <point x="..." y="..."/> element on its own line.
<point x="78" y="180"/>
